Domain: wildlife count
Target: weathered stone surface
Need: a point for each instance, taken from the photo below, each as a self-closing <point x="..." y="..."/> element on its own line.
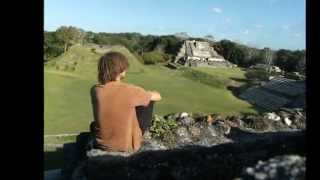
<point x="186" y="121"/>
<point x="201" y="149"/>
<point x="255" y="122"/>
<point x="200" y="53"/>
<point x="74" y="154"/>
<point x="150" y="145"/>
<point x="210" y="119"/>
<point x="52" y="174"/>
<point x="183" y="115"/>
<point x="287" y="121"/>
<point x="273" y="116"/>
<point x="195" y="131"/>
<point x="183" y="135"/>
<point x="277" y="93"/>
<point x="281" y="167"/>
<point x="197" y="162"/>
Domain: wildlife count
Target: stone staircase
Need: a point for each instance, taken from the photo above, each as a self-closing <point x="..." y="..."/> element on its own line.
<point x="286" y="86"/>
<point x="264" y="99"/>
<point x="276" y="93"/>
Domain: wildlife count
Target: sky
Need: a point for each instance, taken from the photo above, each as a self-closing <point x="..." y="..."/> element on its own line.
<point x="278" y="24"/>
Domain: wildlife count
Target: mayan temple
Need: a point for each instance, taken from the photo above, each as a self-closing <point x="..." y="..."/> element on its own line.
<point x="199" y="53"/>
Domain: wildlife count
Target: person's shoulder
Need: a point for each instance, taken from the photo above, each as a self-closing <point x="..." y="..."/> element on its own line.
<point x="95" y="87"/>
<point x="132" y="86"/>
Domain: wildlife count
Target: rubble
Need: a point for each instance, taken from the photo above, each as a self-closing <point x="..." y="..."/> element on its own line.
<point x="183" y="115"/>
<point x="186" y="121"/>
<point x="223" y="161"/>
<point x="273" y="116"/>
<point x="287" y="121"/>
<point x="280" y="167"/>
<point x="167" y="146"/>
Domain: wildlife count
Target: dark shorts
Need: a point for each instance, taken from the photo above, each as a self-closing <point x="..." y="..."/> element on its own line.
<point x="144" y="115"/>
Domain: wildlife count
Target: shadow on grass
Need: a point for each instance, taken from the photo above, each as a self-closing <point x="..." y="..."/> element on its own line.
<point x="53" y="159"/>
<point x="237" y="90"/>
<point x="242" y="80"/>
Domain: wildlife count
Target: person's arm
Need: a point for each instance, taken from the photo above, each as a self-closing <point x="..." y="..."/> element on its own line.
<point x="141" y="97"/>
<point x="136" y="136"/>
<point x="155" y="96"/>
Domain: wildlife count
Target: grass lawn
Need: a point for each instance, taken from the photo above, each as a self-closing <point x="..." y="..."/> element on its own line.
<point x="67" y="100"/>
<point x="223" y="72"/>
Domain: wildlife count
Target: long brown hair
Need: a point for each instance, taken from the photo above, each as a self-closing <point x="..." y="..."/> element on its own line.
<point x="111" y="65"/>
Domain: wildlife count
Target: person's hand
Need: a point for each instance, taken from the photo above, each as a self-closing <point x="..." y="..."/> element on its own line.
<point x="155" y="96"/>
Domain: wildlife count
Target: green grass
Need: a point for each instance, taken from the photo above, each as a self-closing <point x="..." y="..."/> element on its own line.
<point x="67" y="100"/>
<point x="59" y="139"/>
<point x="67" y="103"/>
<point x="223" y="72"/>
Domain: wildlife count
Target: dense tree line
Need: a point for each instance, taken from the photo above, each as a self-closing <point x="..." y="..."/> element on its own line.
<point x="244" y="56"/>
<point x="164" y="48"/>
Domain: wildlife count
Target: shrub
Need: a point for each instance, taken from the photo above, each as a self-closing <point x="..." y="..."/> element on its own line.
<point x="154" y="57"/>
<point x="51" y="51"/>
<point x="163" y="129"/>
<point x="66" y="67"/>
<point x="199" y="116"/>
<point x="253" y="122"/>
<point x="257" y="74"/>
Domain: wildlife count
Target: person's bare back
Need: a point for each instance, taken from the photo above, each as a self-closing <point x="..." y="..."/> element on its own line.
<point x="114" y="103"/>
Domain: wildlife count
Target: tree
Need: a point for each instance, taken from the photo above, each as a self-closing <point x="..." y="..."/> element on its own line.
<point x="268" y="57"/>
<point x="237" y="56"/>
<point x="225" y="48"/>
<point x="52" y="45"/>
<point x="285" y="60"/>
<point x="248" y="56"/>
<point x="69" y="35"/>
<point x="154" y="57"/>
<point x="301" y="66"/>
<point x="209" y="37"/>
<point x="182" y="35"/>
<point x="81" y="34"/>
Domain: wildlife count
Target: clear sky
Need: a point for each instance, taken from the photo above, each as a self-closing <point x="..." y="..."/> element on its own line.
<point x="260" y="23"/>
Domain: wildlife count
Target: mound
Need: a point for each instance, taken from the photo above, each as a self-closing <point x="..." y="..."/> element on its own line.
<point x="83" y="60"/>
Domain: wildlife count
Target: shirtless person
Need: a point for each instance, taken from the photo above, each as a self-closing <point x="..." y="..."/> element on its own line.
<point x="117" y="128"/>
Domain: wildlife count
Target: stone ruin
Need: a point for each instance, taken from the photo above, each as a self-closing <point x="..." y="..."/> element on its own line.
<point x="276" y="93"/>
<point x="207" y="147"/>
<point x="198" y="54"/>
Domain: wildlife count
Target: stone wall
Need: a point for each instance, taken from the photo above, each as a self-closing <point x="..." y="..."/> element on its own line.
<point x="206" y="147"/>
